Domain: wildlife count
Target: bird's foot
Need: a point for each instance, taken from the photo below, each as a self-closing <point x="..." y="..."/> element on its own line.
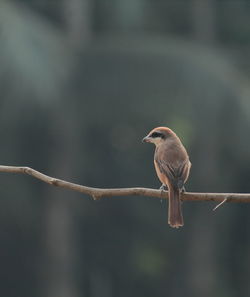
<point x="163" y="189"/>
<point x="183" y="190"/>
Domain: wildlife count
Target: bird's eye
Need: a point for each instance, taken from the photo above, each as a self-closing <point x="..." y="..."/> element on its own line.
<point x="156" y="134"/>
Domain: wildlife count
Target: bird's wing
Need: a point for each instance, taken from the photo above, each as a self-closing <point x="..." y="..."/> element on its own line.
<point x="176" y="175"/>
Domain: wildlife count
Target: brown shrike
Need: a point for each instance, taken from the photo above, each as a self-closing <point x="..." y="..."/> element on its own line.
<point x="172" y="166"/>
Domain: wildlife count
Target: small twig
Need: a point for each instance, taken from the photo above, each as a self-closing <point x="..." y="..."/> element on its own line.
<point x="222" y="202"/>
<point x="98" y="193"/>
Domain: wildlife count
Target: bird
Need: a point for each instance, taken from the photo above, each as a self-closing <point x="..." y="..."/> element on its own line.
<point x="172" y="166"/>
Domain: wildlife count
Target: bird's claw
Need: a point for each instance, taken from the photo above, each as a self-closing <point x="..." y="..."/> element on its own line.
<point x="163" y="188"/>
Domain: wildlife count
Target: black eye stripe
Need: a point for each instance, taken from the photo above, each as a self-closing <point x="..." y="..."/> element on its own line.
<point x="156" y="134"/>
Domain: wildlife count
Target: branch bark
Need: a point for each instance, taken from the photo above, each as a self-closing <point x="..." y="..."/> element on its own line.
<point x="98" y="193"/>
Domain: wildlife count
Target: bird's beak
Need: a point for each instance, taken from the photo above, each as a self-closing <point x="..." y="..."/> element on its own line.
<point x="146" y="139"/>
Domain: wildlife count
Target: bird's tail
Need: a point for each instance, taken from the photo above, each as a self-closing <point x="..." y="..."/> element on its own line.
<point x="175" y="218"/>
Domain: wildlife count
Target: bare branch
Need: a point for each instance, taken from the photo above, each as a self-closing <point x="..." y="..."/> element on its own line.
<point x="218" y="205"/>
<point x="98" y="193"/>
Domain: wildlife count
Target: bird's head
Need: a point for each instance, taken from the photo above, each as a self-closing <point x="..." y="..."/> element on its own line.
<point x="158" y="135"/>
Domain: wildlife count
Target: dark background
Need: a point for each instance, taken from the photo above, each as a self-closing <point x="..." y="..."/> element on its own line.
<point x="81" y="82"/>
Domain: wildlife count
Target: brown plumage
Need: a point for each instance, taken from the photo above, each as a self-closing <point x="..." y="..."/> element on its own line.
<point x="172" y="167"/>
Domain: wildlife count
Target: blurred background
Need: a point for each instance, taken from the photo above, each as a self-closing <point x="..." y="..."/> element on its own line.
<point x="81" y="83"/>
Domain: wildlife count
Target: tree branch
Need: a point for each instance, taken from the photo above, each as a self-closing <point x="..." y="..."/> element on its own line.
<point x="98" y="193"/>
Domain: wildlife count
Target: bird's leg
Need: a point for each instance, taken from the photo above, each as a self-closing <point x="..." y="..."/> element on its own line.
<point x="163" y="189"/>
<point x="182" y="190"/>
